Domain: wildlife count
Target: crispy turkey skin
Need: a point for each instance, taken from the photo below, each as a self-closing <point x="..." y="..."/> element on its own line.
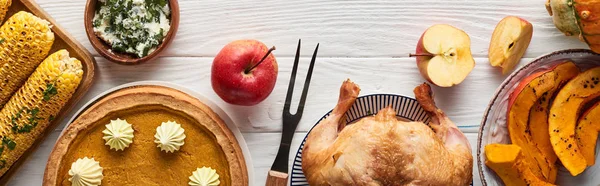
<point x="382" y="150"/>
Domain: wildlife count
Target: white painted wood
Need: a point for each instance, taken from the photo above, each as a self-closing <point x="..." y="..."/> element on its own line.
<point x="261" y="124"/>
<point x="388" y="28"/>
<point x="263" y="148"/>
<point x="464" y="103"/>
<point x="367" y="41"/>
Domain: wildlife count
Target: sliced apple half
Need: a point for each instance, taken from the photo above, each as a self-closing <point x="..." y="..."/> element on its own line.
<point x="521" y="101"/>
<point x="564" y="115"/>
<point x="509" y="42"/>
<point x="586" y="133"/>
<point x="444" y="55"/>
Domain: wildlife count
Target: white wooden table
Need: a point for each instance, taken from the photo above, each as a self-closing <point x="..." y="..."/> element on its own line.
<point x="367" y="42"/>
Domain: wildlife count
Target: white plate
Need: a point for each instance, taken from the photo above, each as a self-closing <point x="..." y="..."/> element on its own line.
<point x="493" y="126"/>
<point x="206" y="101"/>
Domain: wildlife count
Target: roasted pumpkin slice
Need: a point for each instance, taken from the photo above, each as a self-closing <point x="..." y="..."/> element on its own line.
<point x="521" y="102"/>
<point x="564" y="114"/>
<point x="507" y="161"/>
<point x="538" y="124"/>
<point x="586" y="133"/>
<point x="538" y="118"/>
<point x="538" y="128"/>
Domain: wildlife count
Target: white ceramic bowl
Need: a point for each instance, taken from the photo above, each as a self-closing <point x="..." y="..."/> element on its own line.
<point x="493" y="126"/>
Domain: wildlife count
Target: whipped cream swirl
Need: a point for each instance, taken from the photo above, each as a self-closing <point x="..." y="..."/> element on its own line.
<point x="118" y="134"/>
<point x="169" y="136"/>
<point x="85" y="172"/>
<point x="204" y="176"/>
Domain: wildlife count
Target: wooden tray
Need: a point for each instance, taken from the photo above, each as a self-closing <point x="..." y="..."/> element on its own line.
<point x="62" y="40"/>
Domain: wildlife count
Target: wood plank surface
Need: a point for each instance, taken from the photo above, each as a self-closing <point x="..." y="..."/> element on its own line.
<point x="261" y="124"/>
<point x="464" y="103"/>
<point x="366" y="41"/>
<point x="263" y="148"/>
<point x="387" y="28"/>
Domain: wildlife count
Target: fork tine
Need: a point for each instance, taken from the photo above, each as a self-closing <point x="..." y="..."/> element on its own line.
<point x="288" y="97"/>
<point x="307" y="82"/>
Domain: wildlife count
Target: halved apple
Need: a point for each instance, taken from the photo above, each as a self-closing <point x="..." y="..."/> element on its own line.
<point x="586" y="133"/>
<point x="564" y="114"/>
<point x="521" y="101"/>
<point x="444" y="55"/>
<point x="509" y="42"/>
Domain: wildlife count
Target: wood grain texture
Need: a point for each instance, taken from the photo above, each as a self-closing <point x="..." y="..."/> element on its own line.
<point x="261" y="124"/>
<point x="387" y="28"/>
<point x="464" y="104"/>
<point x="275" y="178"/>
<point x="263" y="148"/>
<point x="365" y="41"/>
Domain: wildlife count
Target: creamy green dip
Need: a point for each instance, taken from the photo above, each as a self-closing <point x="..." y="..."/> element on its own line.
<point x="132" y="26"/>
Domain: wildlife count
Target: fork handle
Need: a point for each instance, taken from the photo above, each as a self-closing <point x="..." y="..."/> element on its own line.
<point x="276" y="178"/>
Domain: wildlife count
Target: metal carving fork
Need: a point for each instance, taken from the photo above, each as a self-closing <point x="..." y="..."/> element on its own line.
<point x="278" y="174"/>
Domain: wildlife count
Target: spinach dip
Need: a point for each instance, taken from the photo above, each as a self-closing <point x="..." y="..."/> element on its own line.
<point x="132" y="26"/>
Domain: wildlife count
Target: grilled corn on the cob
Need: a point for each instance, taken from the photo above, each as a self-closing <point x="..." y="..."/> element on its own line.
<point x="28" y="113"/>
<point x="4" y="5"/>
<point x="27" y="39"/>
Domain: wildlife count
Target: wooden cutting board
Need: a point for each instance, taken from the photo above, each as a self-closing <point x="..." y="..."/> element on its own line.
<point x="63" y="40"/>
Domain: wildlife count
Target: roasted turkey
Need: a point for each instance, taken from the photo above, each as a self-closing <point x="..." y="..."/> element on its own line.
<point x="383" y="150"/>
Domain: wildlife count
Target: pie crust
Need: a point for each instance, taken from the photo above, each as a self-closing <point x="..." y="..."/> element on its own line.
<point x="146" y="96"/>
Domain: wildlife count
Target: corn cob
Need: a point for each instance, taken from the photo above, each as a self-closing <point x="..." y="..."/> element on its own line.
<point x="29" y="112"/>
<point x="27" y="40"/>
<point x="4" y="5"/>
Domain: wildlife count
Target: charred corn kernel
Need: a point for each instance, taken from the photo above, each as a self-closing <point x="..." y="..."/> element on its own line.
<point x="4" y="5"/>
<point x="27" y="40"/>
<point x="29" y="112"/>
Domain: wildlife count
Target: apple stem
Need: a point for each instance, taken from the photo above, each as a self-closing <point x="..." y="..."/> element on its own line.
<point x="413" y="55"/>
<point x="248" y="70"/>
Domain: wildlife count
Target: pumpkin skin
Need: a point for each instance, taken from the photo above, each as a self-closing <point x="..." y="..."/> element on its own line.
<point x="521" y="102"/>
<point x="587" y="133"/>
<point x="564" y="114"/>
<point x="563" y="16"/>
<point x="577" y="17"/>
<point x="507" y="161"/>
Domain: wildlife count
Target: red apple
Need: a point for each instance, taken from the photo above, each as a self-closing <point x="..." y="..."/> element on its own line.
<point x="244" y="72"/>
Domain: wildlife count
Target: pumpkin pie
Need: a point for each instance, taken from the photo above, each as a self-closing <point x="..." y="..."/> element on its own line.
<point x="208" y="141"/>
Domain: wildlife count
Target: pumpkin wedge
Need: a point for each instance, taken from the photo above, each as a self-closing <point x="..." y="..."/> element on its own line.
<point x="538" y="119"/>
<point x="538" y="127"/>
<point x="586" y="133"/>
<point x="564" y="114"/>
<point x="521" y="102"/>
<point x="507" y="161"/>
